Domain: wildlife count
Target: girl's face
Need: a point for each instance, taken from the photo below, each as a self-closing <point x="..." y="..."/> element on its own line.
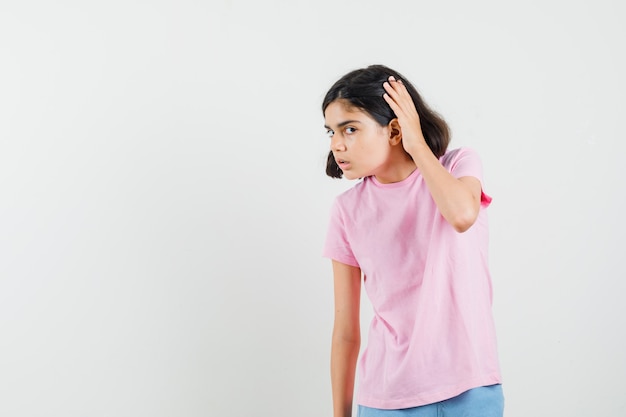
<point x="360" y="145"/>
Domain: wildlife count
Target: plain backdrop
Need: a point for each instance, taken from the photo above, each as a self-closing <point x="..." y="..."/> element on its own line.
<point x="163" y="202"/>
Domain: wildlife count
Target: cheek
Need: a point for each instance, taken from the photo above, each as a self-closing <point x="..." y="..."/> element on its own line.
<point x="378" y="148"/>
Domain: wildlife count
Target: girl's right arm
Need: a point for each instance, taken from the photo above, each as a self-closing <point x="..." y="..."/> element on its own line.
<point x="346" y="340"/>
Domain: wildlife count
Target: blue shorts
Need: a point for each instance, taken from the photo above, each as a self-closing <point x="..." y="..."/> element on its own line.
<point x="477" y="402"/>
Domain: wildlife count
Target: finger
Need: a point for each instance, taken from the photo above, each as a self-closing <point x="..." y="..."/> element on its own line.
<point x="390" y="94"/>
<point x="392" y="103"/>
<point x="399" y="86"/>
<point x="393" y="91"/>
<point x="398" y="101"/>
<point x="388" y="87"/>
<point x="396" y="89"/>
<point x="392" y="81"/>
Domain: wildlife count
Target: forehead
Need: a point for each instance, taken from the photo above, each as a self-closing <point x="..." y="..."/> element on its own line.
<point x="340" y="110"/>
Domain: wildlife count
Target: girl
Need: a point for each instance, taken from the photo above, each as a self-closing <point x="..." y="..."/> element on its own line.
<point x="415" y="228"/>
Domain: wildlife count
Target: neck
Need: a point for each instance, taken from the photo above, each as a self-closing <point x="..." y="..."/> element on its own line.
<point x="398" y="169"/>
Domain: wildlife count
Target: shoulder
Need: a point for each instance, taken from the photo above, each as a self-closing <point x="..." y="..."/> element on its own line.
<point x="462" y="156"/>
<point x="353" y="193"/>
<point x="452" y="156"/>
<point x="350" y="201"/>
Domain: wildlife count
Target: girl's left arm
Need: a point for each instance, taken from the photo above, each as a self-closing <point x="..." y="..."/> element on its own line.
<point x="458" y="199"/>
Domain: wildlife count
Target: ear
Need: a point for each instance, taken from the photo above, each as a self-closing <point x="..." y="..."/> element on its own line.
<point x="395" y="133"/>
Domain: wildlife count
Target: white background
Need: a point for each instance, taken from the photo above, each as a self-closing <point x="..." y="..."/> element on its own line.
<point x="163" y="201"/>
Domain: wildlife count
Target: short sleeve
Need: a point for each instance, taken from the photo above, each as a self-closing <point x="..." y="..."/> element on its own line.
<point x="337" y="246"/>
<point x="465" y="162"/>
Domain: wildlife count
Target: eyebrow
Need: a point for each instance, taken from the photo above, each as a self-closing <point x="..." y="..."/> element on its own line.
<point x="342" y="124"/>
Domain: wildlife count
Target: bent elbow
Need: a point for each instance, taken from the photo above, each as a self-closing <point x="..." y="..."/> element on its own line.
<point x="463" y="222"/>
<point x="462" y="227"/>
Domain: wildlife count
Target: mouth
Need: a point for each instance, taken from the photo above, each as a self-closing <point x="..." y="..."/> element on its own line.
<point x="342" y="163"/>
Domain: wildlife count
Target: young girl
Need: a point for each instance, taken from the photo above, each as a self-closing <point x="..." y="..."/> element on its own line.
<point x="415" y="228"/>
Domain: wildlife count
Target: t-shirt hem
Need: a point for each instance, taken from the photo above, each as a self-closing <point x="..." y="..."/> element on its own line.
<point x="428" y="398"/>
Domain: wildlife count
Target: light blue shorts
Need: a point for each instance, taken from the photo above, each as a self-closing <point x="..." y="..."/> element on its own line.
<point x="477" y="402"/>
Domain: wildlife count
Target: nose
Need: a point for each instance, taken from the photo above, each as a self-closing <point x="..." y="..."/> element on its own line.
<point x="337" y="144"/>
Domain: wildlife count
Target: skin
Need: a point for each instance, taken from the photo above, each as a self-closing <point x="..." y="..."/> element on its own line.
<point x="391" y="153"/>
<point x="362" y="147"/>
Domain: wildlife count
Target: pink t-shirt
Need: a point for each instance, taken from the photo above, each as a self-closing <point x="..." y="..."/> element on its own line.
<point x="432" y="335"/>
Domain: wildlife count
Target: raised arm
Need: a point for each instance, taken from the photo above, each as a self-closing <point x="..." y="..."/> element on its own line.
<point x="458" y="199"/>
<point x="346" y="339"/>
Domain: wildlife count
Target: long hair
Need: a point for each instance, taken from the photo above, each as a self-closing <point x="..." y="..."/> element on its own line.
<point x="363" y="89"/>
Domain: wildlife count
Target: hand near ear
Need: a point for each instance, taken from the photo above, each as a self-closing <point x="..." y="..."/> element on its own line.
<point x="401" y="103"/>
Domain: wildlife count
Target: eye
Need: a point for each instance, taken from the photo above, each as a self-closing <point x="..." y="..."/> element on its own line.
<point x="350" y="130"/>
<point x="329" y="133"/>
